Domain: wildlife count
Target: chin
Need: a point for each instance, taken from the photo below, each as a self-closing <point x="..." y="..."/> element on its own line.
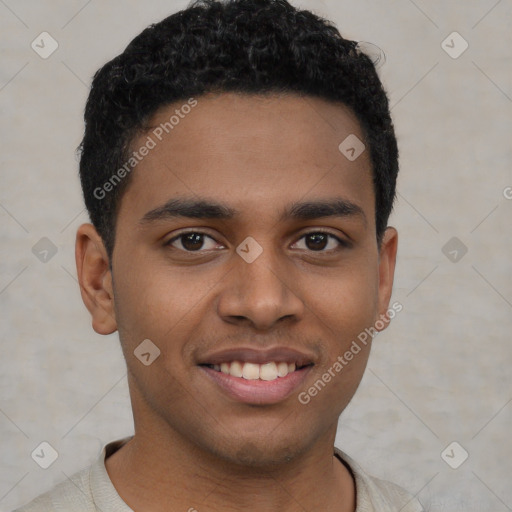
<point x="258" y="453"/>
<point x="256" y="456"/>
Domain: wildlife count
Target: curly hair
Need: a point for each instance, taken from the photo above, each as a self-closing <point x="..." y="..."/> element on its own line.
<point x="242" y="46"/>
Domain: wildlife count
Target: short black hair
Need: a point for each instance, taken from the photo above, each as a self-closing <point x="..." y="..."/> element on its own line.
<point x="242" y="46"/>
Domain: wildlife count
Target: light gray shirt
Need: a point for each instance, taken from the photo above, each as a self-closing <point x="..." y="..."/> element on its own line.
<point x="91" y="490"/>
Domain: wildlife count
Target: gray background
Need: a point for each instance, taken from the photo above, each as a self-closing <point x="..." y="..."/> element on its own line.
<point x="440" y="373"/>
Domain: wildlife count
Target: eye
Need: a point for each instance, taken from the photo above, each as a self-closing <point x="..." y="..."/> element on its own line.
<point x="317" y="241"/>
<point x="320" y="241"/>
<point x="192" y="241"/>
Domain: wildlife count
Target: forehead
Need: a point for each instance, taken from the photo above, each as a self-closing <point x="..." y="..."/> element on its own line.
<point x="250" y="151"/>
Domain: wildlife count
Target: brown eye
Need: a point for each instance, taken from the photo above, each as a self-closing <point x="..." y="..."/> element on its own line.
<point x="317" y="241"/>
<point x="190" y="242"/>
<point x="321" y="242"/>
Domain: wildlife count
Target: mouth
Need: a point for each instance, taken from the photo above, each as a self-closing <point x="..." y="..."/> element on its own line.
<point x="257" y="377"/>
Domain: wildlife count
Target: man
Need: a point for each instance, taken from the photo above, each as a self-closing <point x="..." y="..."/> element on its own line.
<point x="239" y="167"/>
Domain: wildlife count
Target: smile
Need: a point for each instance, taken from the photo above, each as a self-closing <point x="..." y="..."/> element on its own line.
<point x="256" y="384"/>
<point x="253" y="371"/>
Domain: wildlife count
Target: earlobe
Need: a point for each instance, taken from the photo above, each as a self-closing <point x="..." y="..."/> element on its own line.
<point x="95" y="278"/>
<point x="387" y="262"/>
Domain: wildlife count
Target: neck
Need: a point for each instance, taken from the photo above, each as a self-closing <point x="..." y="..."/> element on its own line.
<point x="154" y="473"/>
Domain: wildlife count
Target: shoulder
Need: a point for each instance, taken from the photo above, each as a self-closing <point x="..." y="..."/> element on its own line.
<point x="88" y="490"/>
<point x="72" y="495"/>
<point x="377" y="495"/>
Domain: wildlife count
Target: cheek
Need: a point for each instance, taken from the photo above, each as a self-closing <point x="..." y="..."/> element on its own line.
<point x="158" y="303"/>
<point x="347" y="303"/>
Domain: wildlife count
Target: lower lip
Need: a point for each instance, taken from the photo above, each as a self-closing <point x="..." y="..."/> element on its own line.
<point x="258" y="391"/>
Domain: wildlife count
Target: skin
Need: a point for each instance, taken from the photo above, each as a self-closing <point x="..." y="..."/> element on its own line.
<point x="193" y="445"/>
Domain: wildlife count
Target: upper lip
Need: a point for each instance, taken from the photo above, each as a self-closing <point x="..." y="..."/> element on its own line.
<point x="251" y="355"/>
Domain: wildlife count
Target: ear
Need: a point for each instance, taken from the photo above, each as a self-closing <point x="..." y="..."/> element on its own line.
<point x="95" y="278"/>
<point x="387" y="262"/>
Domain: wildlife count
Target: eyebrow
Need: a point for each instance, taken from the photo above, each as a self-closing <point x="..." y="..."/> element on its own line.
<point x="205" y="209"/>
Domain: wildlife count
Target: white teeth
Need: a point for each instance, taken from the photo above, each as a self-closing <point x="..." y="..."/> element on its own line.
<point x="282" y="369"/>
<point x="253" y="371"/>
<point x="268" y="371"/>
<point x="236" y="369"/>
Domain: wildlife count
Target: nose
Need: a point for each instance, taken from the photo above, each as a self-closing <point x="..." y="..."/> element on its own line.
<point x="261" y="294"/>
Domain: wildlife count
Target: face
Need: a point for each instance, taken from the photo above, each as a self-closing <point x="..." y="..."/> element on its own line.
<point x="246" y="252"/>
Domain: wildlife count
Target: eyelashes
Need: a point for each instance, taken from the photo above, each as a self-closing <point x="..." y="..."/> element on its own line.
<point x="196" y="238"/>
